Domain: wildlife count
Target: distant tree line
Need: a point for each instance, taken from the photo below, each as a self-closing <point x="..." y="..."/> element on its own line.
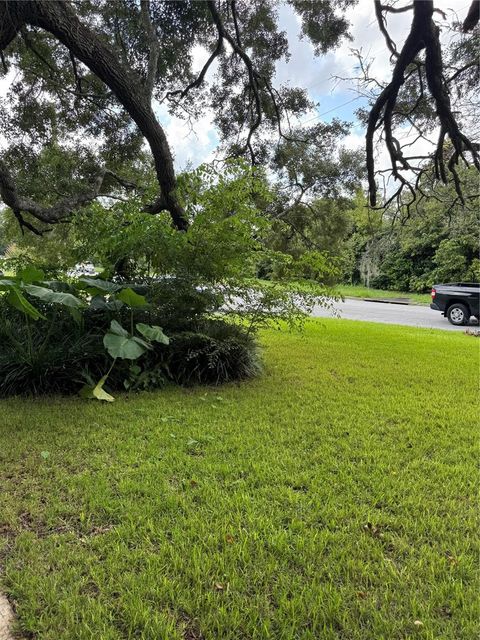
<point x="436" y="242"/>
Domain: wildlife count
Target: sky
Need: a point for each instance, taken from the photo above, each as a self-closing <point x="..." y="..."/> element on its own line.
<point x="317" y="74"/>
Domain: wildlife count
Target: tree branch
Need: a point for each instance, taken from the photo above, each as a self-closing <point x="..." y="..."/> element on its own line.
<point x="201" y="76"/>
<point x="382" y="25"/>
<point x="154" y="51"/>
<point x="252" y="75"/>
<point x="58" y="18"/>
<point x="473" y="16"/>
<point x="424" y="34"/>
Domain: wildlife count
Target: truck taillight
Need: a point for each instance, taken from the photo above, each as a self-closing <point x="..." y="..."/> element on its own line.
<point x="434" y="293"/>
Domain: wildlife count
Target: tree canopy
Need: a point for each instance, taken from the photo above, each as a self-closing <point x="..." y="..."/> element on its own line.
<point x="89" y="78"/>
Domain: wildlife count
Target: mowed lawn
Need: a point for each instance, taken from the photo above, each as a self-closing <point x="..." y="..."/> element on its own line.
<point x="358" y="291"/>
<point x="333" y="498"/>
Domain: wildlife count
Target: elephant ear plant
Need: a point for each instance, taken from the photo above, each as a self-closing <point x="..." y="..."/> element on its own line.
<point x="126" y="346"/>
<point x="85" y="294"/>
<point x="119" y="343"/>
<point x="23" y="283"/>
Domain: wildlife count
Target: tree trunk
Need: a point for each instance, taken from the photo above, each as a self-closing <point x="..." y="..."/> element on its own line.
<point x="58" y="18"/>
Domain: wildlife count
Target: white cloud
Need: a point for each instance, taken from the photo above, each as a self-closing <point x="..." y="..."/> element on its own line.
<point x="191" y="143"/>
<point x="195" y="144"/>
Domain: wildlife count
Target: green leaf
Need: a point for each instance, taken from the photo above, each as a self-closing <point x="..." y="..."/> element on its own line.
<point x="141" y="342"/>
<point x="59" y="285"/>
<point x="76" y="315"/>
<point x="95" y="285"/>
<point x="16" y="299"/>
<point x="31" y="274"/>
<point x="44" y="454"/>
<point x="152" y="332"/>
<point x="117" y="329"/>
<point x="99" y="303"/>
<point x="55" y="297"/>
<point x="6" y="285"/>
<point x="97" y="392"/>
<point x="123" y="346"/>
<point x="128" y="296"/>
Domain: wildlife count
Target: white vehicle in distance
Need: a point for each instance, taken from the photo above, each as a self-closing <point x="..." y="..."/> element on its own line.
<point x="82" y="269"/>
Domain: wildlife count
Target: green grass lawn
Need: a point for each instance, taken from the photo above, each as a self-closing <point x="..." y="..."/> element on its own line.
<point x="333" y="498"/>
<point x="357" y="291"/>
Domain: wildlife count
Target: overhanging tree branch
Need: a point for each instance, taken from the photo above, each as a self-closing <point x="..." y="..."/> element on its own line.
<point x="58" y="18"/>
<point x="201" y="76"/>
<point x="473" y="16"/>
<point x="154" y="51"/>
<point x="424" y="35"/>
<point x="252" y="74"/>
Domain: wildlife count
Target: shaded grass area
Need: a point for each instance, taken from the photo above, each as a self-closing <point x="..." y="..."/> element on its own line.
<point x="334" y="497"/>
<point x="357" y="291"/>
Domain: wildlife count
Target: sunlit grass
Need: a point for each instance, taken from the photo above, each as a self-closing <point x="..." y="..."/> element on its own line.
<point x="357" y="291"/>
<point x="332" y="498"/>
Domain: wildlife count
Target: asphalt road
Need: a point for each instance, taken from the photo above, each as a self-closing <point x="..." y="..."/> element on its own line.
<point x="410" y="315"/>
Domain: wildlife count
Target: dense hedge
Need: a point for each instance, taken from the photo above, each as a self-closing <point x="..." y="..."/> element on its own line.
<point x="60" y="353"/>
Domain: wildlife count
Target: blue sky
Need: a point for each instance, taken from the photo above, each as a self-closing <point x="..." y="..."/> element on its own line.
<point x="335" y="98"/>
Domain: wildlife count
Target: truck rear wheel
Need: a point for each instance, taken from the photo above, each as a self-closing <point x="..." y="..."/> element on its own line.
<point x="458" y="314"/>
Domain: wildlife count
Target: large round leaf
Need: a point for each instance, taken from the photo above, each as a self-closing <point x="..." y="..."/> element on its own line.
<point x="97" y="286"/>
<point x="55" y="297"/>
<point x="120" y="344"/>
<point x="152" y="332"/>
<point x="116" y="327"/>
<point x="99" y="303"/>
<point x="128" y="296"/>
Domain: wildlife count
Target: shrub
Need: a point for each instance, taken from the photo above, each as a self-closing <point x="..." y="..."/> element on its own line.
<point x="50" y="356"/>
<point x="100" y="336"/>
<point x="219" y="353"/>
<point x="72" y="340"/>
<point x="62" y="358"/>
<point x="182" y="303"/>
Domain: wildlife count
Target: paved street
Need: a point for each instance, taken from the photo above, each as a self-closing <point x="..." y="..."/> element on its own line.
<point x="410" y="315"/>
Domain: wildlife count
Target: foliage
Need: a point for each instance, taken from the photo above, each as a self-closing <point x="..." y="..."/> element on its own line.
<point x="52" y="346"/>
<point x="335" y="496"/>
<point x="57" y="355"/>
<point x="226" y="229"/>
<point x="217" y="353"/>
<point x="70" y="111"/>
<point x="437" y="242"/>
<point x="44" y="356"/>
<point x="158" y="284"/>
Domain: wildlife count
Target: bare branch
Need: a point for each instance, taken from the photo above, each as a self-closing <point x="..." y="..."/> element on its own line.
<point x="53" y="214"/>
<point x="473" y="16"/>
<point x="424" y="34"/>
<point x="201" y="76"/>
<point x="391" y="9"/>
<point x="154" y="50"/>
<point x="383" y="27"/>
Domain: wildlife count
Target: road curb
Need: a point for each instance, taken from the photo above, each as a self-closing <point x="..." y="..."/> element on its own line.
<point x="404" y="302"/>
<point x="410" y="303"/>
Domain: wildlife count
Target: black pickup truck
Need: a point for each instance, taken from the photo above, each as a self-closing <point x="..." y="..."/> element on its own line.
<point x="458" y="301"/>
